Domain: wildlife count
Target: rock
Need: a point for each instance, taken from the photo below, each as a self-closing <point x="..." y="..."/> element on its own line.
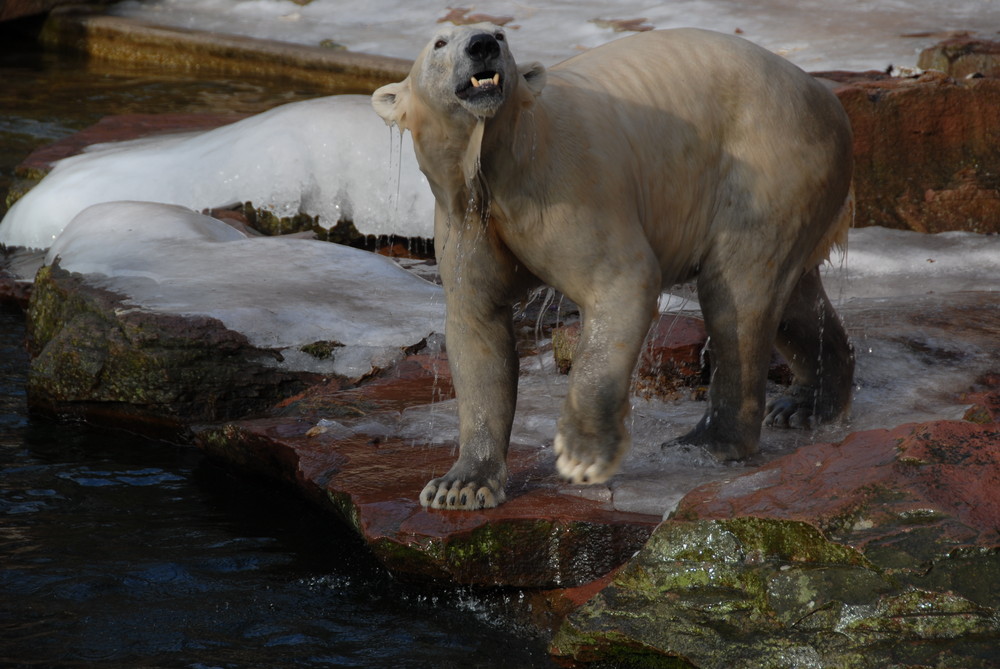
<point x="672" y="359"/>
<point x="760" y="592"/>
<point x="962" y="57"/>
<point x="674" y="362"/>
<point x="94" y="356"/>
<point x="540" y="538"/>
<point x="14" y="292"/>
<point x="925" y="150"/>
<point x="117" y="39"/>
<point x="185" y="319"/>
<point x="15" y="9"/>
<point x="985" y="404"/>
<point x="880" y="550"/>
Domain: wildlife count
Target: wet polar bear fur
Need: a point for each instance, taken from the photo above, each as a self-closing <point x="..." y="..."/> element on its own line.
<point x="655" y="159"/>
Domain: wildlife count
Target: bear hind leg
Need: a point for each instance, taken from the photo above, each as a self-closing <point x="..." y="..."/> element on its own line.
<point x="741" y="322"/>
<point x="815" y="345"/>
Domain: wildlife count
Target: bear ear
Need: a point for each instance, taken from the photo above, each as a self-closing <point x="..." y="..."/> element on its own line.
<point x="534" y="75"/>
<point x="391" y="102"/>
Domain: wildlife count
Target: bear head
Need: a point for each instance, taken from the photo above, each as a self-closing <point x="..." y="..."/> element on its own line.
<point x="463" y="71"/>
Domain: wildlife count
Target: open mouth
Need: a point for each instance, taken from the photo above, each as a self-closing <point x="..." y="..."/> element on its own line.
<point x="481" y="83"/>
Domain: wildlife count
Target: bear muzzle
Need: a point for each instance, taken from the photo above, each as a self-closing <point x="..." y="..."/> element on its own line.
<point x="484" y="87"/>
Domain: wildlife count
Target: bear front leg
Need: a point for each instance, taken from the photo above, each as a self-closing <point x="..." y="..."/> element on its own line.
<point x="591" y="439"/>
<point x="483" y="364"/>
<point x="479" y="278"/>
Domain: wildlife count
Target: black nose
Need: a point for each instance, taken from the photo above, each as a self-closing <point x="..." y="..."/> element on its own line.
<point x="483" y="47"/>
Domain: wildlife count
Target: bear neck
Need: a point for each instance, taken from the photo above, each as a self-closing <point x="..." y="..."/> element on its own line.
<point x="504" y="157"/>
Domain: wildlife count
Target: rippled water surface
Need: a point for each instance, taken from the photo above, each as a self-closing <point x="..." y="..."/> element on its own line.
<point x="118" y="551"/>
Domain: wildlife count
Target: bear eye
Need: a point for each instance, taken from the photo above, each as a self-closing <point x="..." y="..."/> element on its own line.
<point x="440" y="43"/>
<point x="499" y="37"/>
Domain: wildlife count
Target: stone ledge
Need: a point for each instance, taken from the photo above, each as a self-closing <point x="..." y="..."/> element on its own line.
<point x="132" y="42"/>
<point x="544" y="536"/>
<point x="925" y="150"/>
<point x="98" y="358"/>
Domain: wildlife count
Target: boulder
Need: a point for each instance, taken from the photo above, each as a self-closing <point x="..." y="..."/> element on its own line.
<point x="881" y="550"/>
<point x="674" y="356"/>
<point x="765" y="593"/>
<point x="963" y="56"/>
<point x="96" y="357"/>
<point x="925" y="150"/>
<point x="674" y="362"/>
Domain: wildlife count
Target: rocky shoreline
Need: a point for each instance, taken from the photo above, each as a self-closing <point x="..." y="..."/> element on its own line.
<point x="877" y="549"/>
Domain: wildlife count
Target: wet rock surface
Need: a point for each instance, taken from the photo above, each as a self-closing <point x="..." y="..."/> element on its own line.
<point x="880" y="550"/>
<point x="540" y="538"/>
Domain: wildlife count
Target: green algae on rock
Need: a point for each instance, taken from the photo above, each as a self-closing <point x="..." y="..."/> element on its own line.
<point x="757" y="592"/>
<point x="94" y="355"/>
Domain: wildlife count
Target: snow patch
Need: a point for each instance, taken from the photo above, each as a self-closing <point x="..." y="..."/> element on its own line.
<point x="281" y="293"/>
<point x="330" y="157"/>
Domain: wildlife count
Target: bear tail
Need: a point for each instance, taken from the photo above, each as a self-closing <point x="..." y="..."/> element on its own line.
<point x="836" y="236"/>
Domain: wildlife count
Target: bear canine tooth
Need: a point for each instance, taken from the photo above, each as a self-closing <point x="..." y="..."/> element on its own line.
<point x="496" y="79"/>
<point x="475" y="82"/>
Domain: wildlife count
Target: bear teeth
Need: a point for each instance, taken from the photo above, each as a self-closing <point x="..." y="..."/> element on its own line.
<point x="477" y="83"/>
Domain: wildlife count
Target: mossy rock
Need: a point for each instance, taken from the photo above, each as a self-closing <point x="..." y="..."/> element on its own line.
<point x="94" y="356"/>
<point x="756" y="592"/>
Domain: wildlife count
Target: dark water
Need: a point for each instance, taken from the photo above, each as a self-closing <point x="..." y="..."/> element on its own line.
<point x="116" y="551"/>
<point x="46" y="96"/>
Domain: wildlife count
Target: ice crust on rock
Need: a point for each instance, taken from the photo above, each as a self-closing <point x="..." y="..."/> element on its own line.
<point x="883" y="263"/>
<point x="281" y="293"/>
<point x="330" y="157"/>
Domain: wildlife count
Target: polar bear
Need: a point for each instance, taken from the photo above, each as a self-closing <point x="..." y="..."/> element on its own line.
<point x="661" y="157"/>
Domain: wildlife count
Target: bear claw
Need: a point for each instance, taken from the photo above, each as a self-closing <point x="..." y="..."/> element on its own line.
<point x="460" y="496"/>
<point x="795" y="410"/>
<point x="580" y="471"/>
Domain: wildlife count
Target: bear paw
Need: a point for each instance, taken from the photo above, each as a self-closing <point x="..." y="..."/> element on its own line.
<point x="459" y="495"/>
<point x="582" y="465"/>
<point x="796" y="410"/>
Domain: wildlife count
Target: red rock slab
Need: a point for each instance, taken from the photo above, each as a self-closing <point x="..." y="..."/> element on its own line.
<point x="539" y="538"/>
<point x="418" y="379"/>
<point x="116" y="129"/>
<point x="874" y="484"/>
